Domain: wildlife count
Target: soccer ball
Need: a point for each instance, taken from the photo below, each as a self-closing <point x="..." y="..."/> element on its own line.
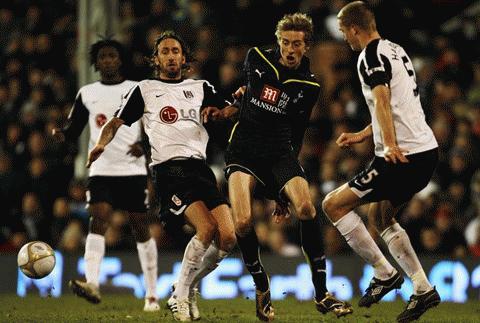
<point x="36" y="259"/>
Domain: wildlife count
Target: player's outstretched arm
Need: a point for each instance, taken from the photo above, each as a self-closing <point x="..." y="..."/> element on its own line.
<point x="216" y="114"/>
<point x="349" y="138"/>
<point x="230" y="111"/>
<point x="106" y="135"/>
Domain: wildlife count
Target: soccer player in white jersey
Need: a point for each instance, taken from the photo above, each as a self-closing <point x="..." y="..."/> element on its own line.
<point x="118" y="180"/>
<point x="170" y="107"/>
<point x="406" y="154"/>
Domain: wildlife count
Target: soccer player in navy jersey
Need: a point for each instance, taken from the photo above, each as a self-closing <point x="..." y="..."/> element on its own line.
<point x="279" y="94"/>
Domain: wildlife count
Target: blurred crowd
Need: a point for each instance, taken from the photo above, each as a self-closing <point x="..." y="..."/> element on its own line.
<point x="40" y="198"/>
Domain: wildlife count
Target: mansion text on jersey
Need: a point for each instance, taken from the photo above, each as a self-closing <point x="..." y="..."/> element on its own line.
<point x="268" y="107"/>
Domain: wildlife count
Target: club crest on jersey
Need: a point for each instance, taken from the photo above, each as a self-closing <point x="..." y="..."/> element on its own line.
<point x="100" y="119"/>
<point x="269" y="94"/>
<point x="168" y="114"/>
<point x="176" y="200"/>
<point x="188" y="94"/>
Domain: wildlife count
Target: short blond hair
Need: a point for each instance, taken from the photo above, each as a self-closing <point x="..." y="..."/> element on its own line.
<point x="359" y="14"/>
<point x="296" y="22"/>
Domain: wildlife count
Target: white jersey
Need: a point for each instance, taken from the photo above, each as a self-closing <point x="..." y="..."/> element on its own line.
<point x="385" y="63"/>
<point x="170" y="112"/>
<point x="98" y="102"/>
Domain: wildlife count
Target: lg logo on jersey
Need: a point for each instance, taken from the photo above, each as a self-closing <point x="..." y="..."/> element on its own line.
<point x="170" y="115"/>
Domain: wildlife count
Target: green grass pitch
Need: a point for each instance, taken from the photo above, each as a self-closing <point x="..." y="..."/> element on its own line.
<point x="126" y="308"/>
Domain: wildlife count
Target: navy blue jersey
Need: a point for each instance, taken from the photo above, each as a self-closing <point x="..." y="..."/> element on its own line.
<point x="275" y="107"/>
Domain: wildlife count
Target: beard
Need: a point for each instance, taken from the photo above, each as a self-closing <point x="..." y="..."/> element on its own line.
<point x="173" y="74"/>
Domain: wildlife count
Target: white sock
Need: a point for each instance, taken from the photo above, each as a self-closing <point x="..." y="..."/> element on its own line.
<point x="94" y="252"/>
<point x="147" y="253"/>
<point x="359" y="239"/>
<point x="212" y="258"/>
<point x="402" y="251"/>
<point x="192" y="260"/>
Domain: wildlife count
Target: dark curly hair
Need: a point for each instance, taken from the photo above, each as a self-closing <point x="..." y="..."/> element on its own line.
<point x="95" y="48"/>
<point x="185" y="49"/>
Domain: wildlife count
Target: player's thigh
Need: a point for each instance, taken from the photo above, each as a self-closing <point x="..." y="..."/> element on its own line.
<point x="286" y="170"/>
<point x="377" y="182"/>
<point x="240" y="187"/>
<point x="198" y="215"/>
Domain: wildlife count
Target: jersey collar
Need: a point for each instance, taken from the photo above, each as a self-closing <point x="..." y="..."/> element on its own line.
<point x="170" y="81"/>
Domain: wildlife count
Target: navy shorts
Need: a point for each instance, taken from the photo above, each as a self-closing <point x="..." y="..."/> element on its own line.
<point x="179" y="183"/>
<point x="128" y="193"/>
<point x="271" y="173"/>
<point x="395" y="182"/>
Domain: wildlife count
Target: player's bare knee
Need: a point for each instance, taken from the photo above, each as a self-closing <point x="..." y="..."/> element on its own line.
<point x="327" y="204"/>
<point x="331" y="208"/>
<point x="305" y="210"/>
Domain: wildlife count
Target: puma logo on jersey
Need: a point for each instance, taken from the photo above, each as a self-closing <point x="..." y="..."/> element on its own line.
<point x="299" y="96"/>
<point x="259" y="73"/>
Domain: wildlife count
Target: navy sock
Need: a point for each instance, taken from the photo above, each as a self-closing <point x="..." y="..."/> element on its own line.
<point x="312" y="245"/>
<point x="250" y="252"/>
